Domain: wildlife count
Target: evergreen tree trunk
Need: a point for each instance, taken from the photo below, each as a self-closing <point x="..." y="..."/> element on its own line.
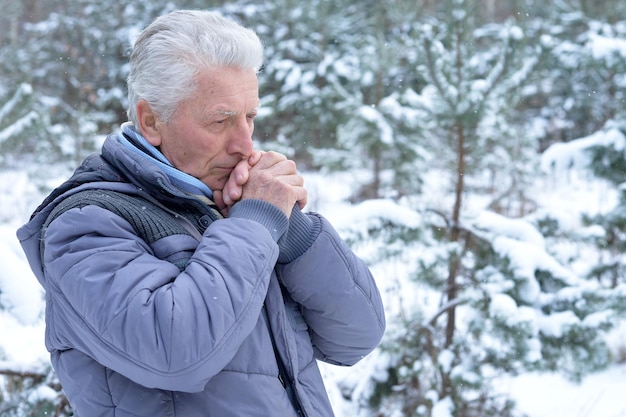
<point x="455" y="260"/>
<point x="455" y="235"/>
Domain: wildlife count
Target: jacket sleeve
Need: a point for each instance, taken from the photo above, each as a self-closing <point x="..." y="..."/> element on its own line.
<point x="337" y="294"/>
<point x="111" y="298"/>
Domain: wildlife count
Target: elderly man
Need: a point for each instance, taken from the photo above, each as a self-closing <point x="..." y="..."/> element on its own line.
<point x="182" y="277"/>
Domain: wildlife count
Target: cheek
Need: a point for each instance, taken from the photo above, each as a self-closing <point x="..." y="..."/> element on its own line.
<point x="194" y="144"/>
<point x="203" y="154"/>
<point x="184" y="152"/>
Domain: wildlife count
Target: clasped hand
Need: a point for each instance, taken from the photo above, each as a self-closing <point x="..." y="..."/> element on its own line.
<point x="267" y="176"/>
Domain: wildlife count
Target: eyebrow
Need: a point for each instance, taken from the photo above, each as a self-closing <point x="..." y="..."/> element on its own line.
<point x="230" y="113"/>
<point x="227" y="113"/>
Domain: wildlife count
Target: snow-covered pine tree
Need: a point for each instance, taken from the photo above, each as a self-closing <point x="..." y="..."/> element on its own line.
<point x="603" y="55"/>
<point x="377" y="137"/>
<point x="23" y="127"/>
<point x="304" y="66"/>
<point x="507" y="301"/>
<point x="583" y="87"/>
<point x="473" y="75"/>
<point x="328" y="86"/>
<point x="606" y="158"/>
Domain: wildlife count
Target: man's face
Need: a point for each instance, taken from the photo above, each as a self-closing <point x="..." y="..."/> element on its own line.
<point x="212" y="131"/>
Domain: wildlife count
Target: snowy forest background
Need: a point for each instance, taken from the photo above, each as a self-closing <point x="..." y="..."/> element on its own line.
<point x="472" y="151"/>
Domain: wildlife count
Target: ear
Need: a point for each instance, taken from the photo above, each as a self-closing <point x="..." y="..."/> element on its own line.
<point x="148" y="123"/>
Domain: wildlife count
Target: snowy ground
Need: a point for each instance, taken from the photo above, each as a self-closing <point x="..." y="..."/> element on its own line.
<point x="549" y="395"/>
<point x="538" y="395"/>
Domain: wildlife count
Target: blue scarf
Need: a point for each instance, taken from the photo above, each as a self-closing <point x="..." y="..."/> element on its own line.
<point x="186" y="183"/>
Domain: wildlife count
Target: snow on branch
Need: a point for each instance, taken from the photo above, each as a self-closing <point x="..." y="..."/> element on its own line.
<point x="22" y="91"/>
<point x="19" y="126"/>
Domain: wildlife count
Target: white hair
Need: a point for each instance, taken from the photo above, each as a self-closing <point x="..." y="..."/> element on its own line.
<point x="172" y="50"/>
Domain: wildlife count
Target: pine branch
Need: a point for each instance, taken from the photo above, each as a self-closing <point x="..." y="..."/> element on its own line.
<point x="433" y="73"/>
<point x="23" y="374"/>
<point x="444" y="308"/>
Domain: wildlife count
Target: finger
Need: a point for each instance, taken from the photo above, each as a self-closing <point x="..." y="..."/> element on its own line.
<point x="240" y="173"/>
<point x="292" y="178"/>
<point x="234" y="194"/>
<point x="219" y="202"/>
<point x="302" y="197"/>
<point x="238" y="177"/>
<point x="218" y="199"/>
<point x="297" y="190"/>
<point x="255" y="157"/>
<point x="269" y="159"/>
<point x="231" y="193"/>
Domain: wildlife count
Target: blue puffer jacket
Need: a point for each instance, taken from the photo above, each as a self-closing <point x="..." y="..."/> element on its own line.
<point x="131" y="334"/>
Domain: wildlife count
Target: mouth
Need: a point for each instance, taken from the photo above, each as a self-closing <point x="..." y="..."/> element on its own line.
<point x="218" y="175"/>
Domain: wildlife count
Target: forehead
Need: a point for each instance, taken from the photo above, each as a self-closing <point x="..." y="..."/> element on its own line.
<point x="227" y="90"/>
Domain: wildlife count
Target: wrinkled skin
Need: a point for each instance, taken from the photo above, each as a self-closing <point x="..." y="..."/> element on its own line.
<point x="209" y="136"/>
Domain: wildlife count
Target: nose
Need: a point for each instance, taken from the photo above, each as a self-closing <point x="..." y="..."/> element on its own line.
<point x="240" y="141"/>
